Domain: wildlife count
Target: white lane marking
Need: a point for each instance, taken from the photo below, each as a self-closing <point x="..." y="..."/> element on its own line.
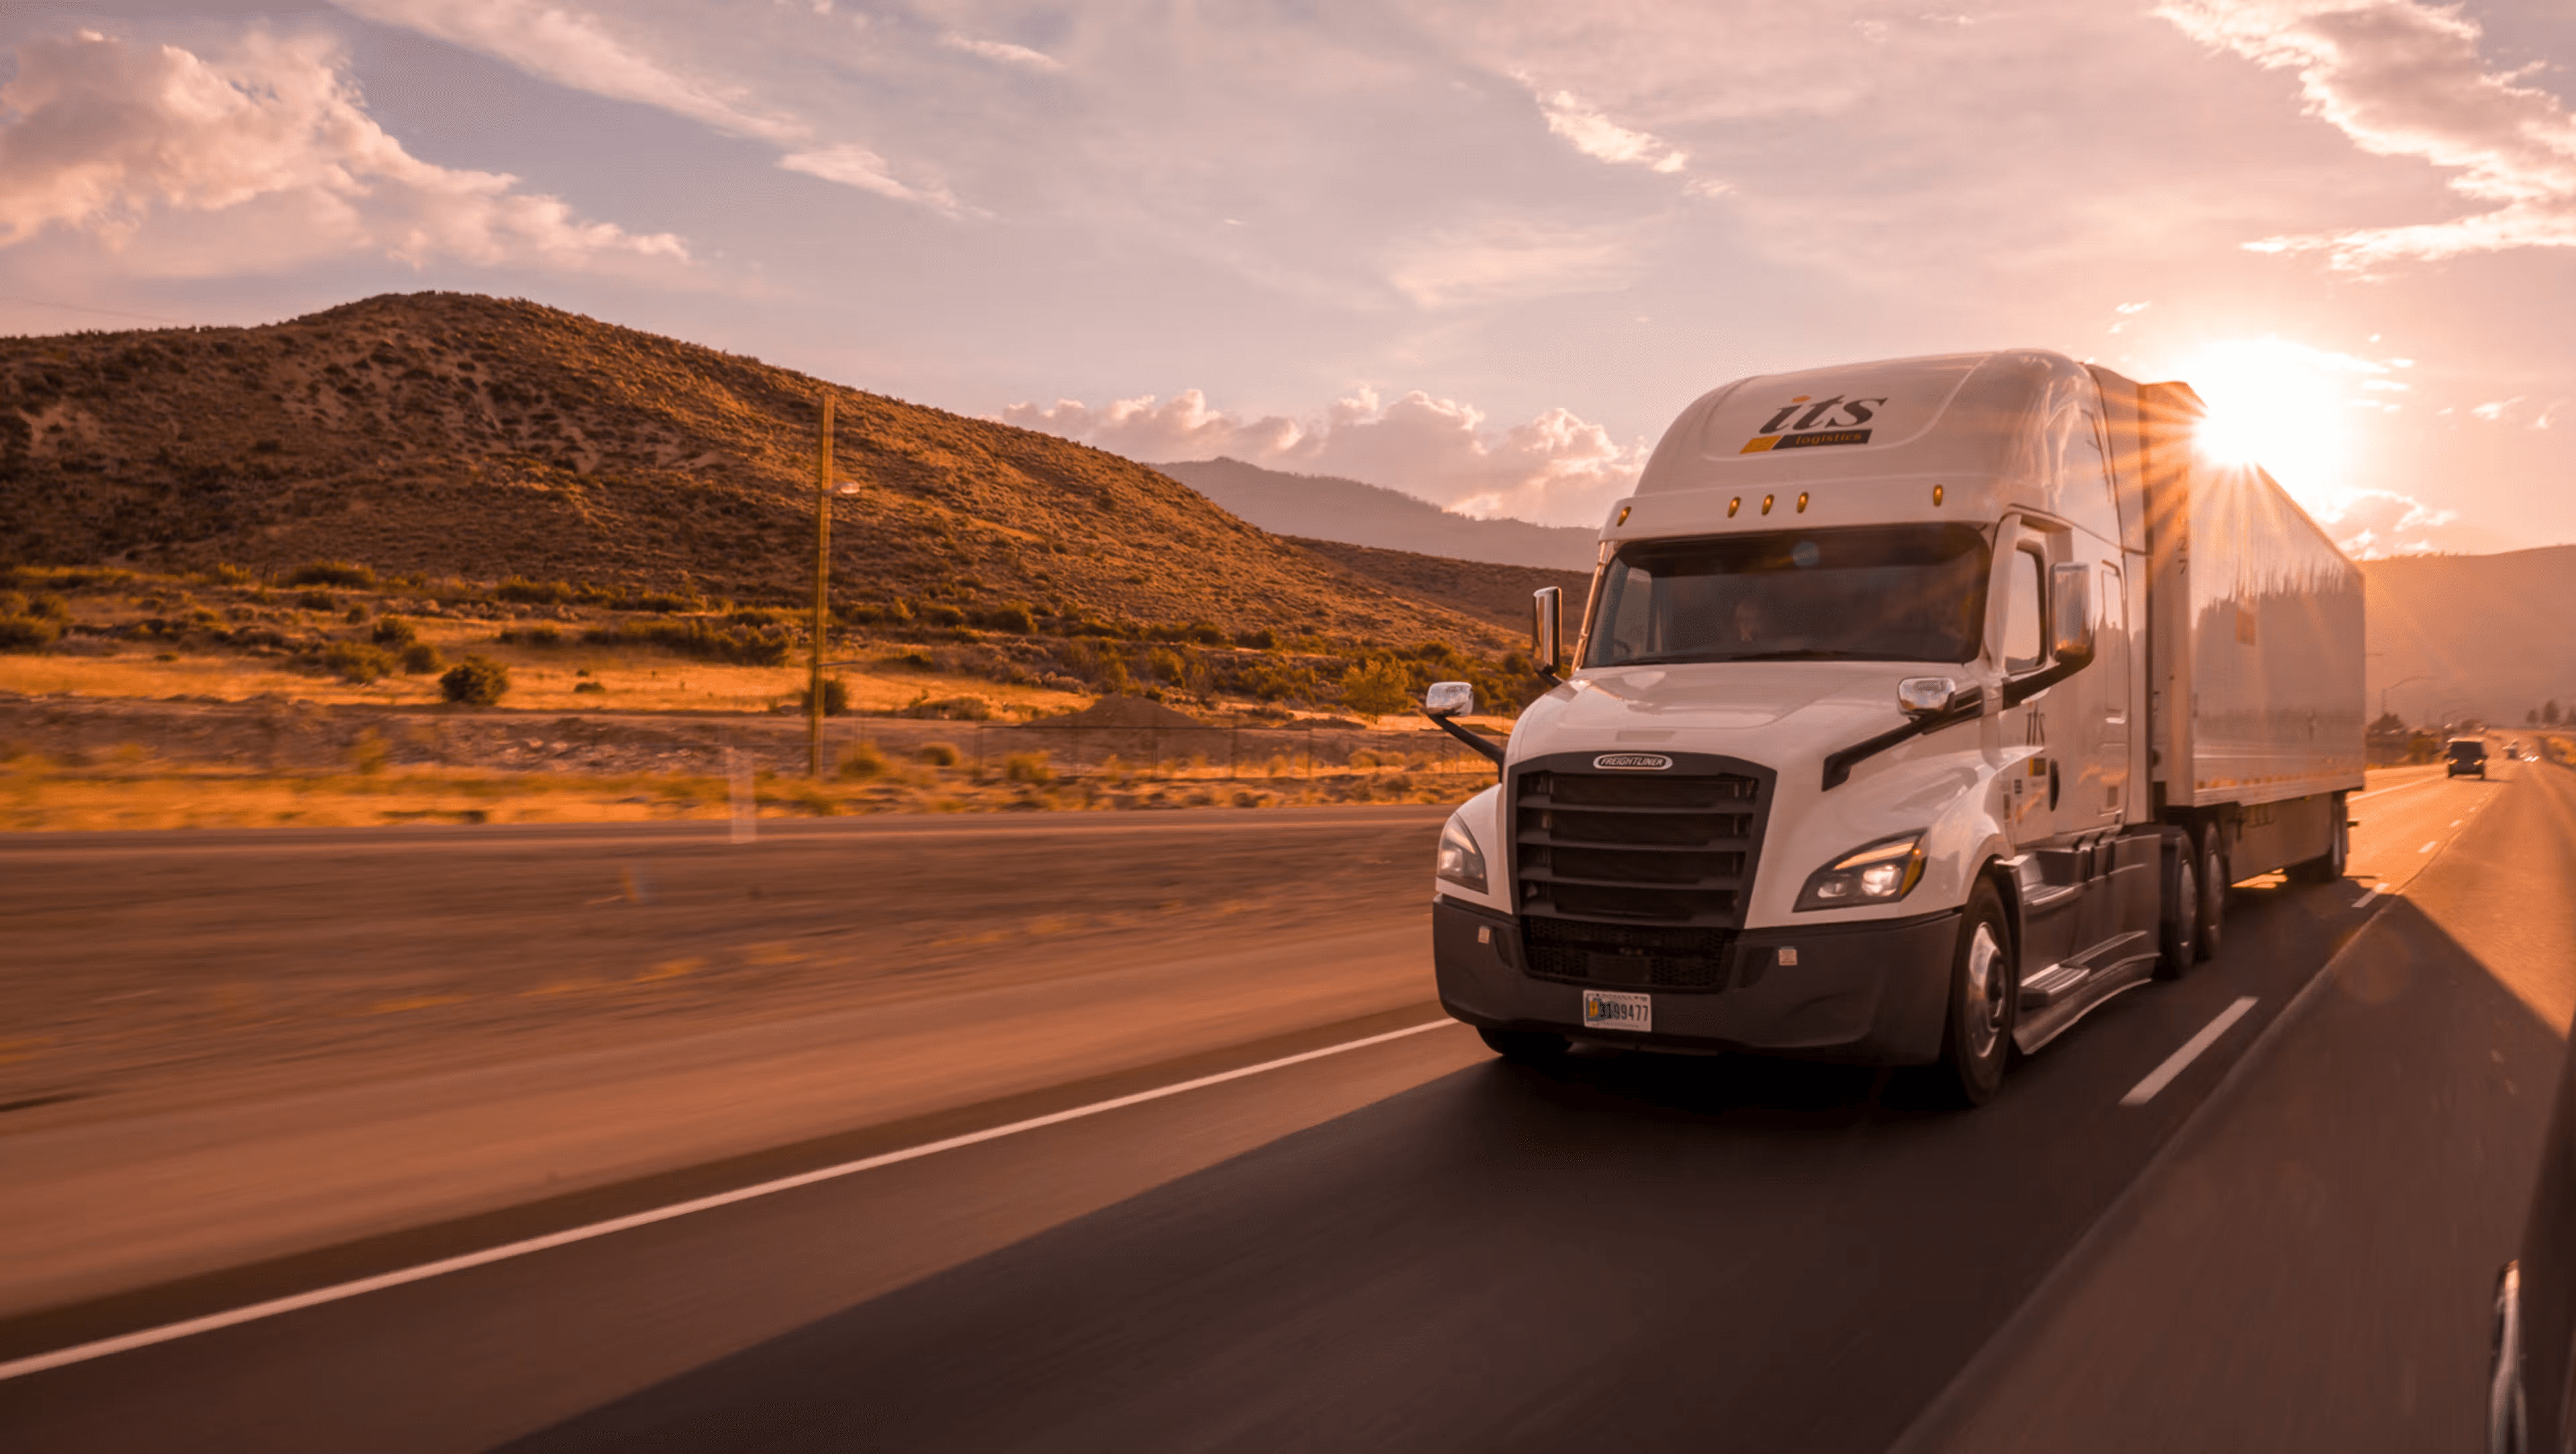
<point x="2429" y="847"/>
<point x="2456" y="822"/>
<point x="171" y="1332"/>
<point x="2368" y="894"/>
<point x="2162" y="1076"/>
<point x="2392" y="788"/>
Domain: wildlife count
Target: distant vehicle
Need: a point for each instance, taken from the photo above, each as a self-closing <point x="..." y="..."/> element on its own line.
<point x="1894" y="733"/>
<point x="2467" y="755"/>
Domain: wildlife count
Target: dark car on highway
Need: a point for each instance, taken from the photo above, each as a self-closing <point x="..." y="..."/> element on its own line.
<point x="2468" y="755"/>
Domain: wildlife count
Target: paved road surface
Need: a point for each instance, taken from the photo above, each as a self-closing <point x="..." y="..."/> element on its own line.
<point x="1410" y="1245"/>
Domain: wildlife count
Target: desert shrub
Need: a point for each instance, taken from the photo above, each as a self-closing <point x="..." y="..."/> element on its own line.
<point x="420" y="659"/>
<point x="226" y="573"/>
<point x="667" y="601"/>
<point x="1027" y="767"/>
<point x="932" y="613"/>
<point x="1264" y="639"/>
<point x="28" y="633"/>
<point x="317" y="601"/>
<point x="49" y="607"/>
<point x="1435" y="651"/>
<point x="331" y="573"/>
<point x="950" y="709"/>
<point x="590" y="687"/>
<point x="1377" y="688"/>
<point x="356" y="615"/>
<point x="355" y="661"/>
<point x="394" y="633"/>
<point x="836" y="697"/>
<point x="519" y="590"/>
<point x="862" y="761"/>
<point x="543" y="637"/>
<point x="1014" y="617"/>
<point x="701" y="638"/>
<point x="938" y="754"/>
<point x="475" y="682"/>
<point x="369" y="753"/>
<point x="1204" y="633"/>
<point x="1364" y="758"/>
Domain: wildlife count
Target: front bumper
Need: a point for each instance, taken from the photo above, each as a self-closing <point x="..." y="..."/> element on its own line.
<point x="1876" y="993"/>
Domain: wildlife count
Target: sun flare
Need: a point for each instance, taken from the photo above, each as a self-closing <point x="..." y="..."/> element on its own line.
<point x="2286" y="407"/>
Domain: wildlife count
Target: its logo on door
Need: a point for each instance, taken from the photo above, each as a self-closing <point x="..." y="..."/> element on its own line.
<point x="1806" y="422"/>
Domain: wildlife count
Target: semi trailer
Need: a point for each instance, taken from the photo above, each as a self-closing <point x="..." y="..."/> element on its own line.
<point x="1918" y="709"/>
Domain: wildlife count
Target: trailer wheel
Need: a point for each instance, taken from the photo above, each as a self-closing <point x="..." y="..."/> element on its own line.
<point x="1985" y="982"/>
<point x="2178" y="927"/>
<point x="1527" y="1047"/>
<point x="2213" y="892"/>
<point x="2328" y="866"/>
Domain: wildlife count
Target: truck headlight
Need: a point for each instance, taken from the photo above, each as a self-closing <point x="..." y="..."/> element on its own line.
<point x="1881" y="873"/>
<point x="1461" y="861"/>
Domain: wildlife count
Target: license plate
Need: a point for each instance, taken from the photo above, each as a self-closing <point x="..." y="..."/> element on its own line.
<point x="1605" y="1010"/>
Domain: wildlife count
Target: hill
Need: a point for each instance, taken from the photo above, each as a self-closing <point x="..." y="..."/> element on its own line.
<point x="457" y="435"/>
<point x="1496" y="593"/>
<point x="1326" y="508"/>
<point x="2479" y="635"/>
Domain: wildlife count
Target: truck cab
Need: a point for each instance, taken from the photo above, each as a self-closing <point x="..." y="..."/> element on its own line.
<point x="1855" y="753"/>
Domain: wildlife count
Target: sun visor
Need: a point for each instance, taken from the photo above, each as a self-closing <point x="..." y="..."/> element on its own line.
<point x="1863" y="407"/>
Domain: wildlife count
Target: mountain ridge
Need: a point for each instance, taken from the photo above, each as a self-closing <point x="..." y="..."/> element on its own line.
<point x="1355" y="512"/>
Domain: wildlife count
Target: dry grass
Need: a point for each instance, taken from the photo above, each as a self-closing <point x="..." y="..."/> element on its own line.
<point x="541" y="679"/>
<point x="132" y="791"/>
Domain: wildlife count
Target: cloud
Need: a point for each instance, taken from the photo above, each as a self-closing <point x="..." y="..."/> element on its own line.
<point x="2495" y="409"/>
<point x="579" y="51"/>
<point x="2372" y="524"/>
<point x="1508" y="259"/>
<point x="270" y="152"/>
<point x="2404" y="79"/>
<point x="1002" y="51"/>
<point x="1554" y="468"/>
<point x="1602" y="139"/>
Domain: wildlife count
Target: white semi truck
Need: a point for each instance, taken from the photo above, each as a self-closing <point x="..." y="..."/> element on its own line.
<point x="1919" y="708"/>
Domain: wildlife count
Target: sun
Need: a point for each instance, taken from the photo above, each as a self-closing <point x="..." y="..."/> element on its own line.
<point x="2281" y="405"/>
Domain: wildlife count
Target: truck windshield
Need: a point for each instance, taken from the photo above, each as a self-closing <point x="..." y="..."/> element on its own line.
<point x="1873" y="593"/>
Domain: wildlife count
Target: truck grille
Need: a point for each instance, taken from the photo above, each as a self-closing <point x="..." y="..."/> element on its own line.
<point x="1621" y="957"/>
<point x="1675" y="848"/>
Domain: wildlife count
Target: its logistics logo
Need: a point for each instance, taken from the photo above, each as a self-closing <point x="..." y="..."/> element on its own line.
<point x="1817" y="424"/>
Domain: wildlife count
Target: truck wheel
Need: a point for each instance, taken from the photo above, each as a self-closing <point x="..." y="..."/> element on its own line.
<point x="2213" y="892"/>
<point x="2328" y="866"/>
<point x="2178" y="927"/>
<point x="1985" y="981"/>
<point x="1528" y="1047"/>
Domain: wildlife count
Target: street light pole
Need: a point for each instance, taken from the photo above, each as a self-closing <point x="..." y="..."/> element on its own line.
<point x="822" y="586"/>
<point x="2392" y="686"/>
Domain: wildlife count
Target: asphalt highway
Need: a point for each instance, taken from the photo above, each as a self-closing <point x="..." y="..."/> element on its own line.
<point x="1393" y="1240"/>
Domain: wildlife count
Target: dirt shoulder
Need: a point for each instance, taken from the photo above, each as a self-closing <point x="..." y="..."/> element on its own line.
<point x="217" y="1058"/>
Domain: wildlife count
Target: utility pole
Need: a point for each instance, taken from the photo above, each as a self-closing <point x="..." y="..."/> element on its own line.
<point x="822" y="585"/>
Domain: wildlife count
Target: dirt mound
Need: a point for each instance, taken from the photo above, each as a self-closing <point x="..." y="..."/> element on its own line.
<point x="1122" y="712"/>
<point x="448" y="434"/>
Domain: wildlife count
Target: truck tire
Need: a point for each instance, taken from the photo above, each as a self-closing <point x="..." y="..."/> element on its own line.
<point x="1985" y="982"/>
<point x="2328" y="866"/>
<point x="2178" y="925"/>
<point x="2213" y="892"/>
<point x="1526" y="1047"/>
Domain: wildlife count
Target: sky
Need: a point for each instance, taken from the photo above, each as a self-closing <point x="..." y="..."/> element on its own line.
<point x="1478" y="250"/>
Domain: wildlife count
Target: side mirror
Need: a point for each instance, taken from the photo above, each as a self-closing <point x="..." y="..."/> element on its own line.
<point x="1921" y="696"/>
<point x="1935" y="696"/>
<point x="1448" y="699"/>
<point x="1547" y="610"/>
<point x="2070" y="592"/>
